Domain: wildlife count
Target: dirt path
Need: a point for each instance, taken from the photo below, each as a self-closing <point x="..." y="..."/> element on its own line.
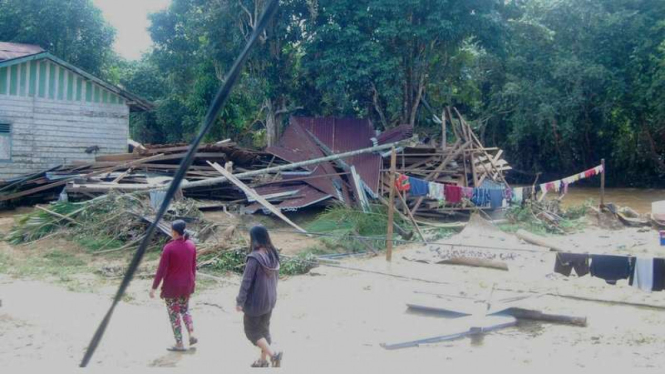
<point x="335" y="319"/>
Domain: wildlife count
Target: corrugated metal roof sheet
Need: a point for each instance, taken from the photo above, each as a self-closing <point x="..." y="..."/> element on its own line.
<point x="347" y="134"/>
<point x="10" y="51"/>
<point x="306" y="196"/>
<point x="395" y="134"/>
<point x="296" y="145"/>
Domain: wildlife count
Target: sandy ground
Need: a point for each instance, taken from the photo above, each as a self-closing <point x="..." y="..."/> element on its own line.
<point x="334" y="319"/>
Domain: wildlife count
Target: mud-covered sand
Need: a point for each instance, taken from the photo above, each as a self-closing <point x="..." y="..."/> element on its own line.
<point x="334" y="319"/>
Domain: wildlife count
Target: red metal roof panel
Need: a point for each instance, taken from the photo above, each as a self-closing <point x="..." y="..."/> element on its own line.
<point x="10" y="51"/>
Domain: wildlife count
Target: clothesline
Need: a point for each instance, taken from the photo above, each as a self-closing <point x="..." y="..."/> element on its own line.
<point x="644" y="273"/>
<point x="495" y="196"/>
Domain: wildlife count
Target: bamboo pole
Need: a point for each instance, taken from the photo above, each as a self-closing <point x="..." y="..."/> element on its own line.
<point x="391" y="205"/>
<point x="213" y="181"/>
<point x="602" y="184"/>
<point x="413" y="220"/>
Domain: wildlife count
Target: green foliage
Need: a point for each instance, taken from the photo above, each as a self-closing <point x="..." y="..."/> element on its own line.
<point x="300" y="264"/>
<point x="234" y="261"/>
<point x="97" y="243"/>
<point x="73" y="30"/>
<point x="343" y="225"/>
<point x="38" y="224"/>
<point x="557" y="84"/>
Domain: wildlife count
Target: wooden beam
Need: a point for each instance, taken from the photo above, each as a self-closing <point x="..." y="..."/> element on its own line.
<point x="602" y="184"/>
<point x="65" y="181"/>
<point x="438" y="170"/>
<point x="250" y="191"/>
<point x="391" y="205"/>
<point x="468" y="326"/>
<point x="413" y="220"/>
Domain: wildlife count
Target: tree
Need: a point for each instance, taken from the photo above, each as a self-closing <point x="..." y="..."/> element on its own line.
<point x="73" y="30"/>
<point x="196" y="41"/>
<point x="378" y="57"/>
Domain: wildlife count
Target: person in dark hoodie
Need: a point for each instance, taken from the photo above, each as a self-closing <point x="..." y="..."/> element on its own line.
<point x="258" y="294"/>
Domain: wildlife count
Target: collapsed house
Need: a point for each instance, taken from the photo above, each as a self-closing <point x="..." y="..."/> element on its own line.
<point x="354" y="181"/>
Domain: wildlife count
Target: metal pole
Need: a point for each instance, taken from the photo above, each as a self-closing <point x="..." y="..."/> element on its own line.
<point x="602" y="184"/>
<point x="391" y="206"/>
<point x="213" y="181"/>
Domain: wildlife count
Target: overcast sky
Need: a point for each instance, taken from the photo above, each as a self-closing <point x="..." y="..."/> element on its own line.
<point x="130" y="18"/>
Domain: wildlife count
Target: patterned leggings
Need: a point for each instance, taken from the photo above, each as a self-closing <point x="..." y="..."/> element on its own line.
<point x="176" y="307"/>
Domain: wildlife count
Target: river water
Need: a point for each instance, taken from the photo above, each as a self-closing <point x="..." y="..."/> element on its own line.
<point x="636" y="198"/>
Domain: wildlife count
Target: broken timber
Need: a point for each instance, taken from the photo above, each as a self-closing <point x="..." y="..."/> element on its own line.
<point x="470" y="326"/>
<point x="250" y="192"/>
<point x="522" y="313"/>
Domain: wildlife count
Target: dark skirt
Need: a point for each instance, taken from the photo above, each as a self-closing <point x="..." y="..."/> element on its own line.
<point x="257" y="328"/>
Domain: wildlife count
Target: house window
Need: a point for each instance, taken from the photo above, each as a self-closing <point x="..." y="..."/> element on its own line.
<point x="5" y="142"/>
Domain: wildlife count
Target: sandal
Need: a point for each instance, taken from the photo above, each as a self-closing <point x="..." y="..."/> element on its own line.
<point x="260" y="364"/>
<point x="175" y="348"/>
<point x="277" y="359"/>
<point x="193" y="341"/>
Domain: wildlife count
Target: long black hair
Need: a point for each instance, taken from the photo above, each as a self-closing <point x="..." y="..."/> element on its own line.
<point x="260" y="238"/>
<point x="180" y="227"/>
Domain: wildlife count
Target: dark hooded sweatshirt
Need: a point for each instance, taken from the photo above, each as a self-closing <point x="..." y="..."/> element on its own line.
<point x="258" y="290"/>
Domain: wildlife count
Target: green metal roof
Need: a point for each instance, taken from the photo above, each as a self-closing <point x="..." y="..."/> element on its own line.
<point x="135" y="102"/>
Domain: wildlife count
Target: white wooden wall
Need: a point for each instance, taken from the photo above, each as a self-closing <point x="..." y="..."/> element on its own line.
<point x="46" y="133"/>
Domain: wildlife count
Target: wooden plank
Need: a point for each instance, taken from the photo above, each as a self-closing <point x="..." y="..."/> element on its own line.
<point x="391" y="205"/>
<point x="539" y="240"/>
<point x="484" y="151"/>
<point x="65" y="181"/>
<point x="467" y="326"/>
<point x="501" y="309"/>
<point x="413" y="220"/>
<point x="360" y="191"/>
<point x="118" y="157"/>
<point x="250" y="191"/>
<point x="441" y="166"/>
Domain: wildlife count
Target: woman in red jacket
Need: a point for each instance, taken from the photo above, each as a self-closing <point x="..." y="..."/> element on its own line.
<point x="177" y="268"/>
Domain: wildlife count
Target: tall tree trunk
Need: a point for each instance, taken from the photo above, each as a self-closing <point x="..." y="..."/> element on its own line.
<point x="377" y="106"/>
<point x="655" y="153"/>
<point x="271" y="122"/>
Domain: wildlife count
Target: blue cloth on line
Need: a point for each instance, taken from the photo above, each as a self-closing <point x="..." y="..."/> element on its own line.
<point x="481" y="197"/>
<point x="419" y="187"/>
<point x="496" y="198"/>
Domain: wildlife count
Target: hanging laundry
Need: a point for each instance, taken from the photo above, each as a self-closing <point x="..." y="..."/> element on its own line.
<point x="481" y="197"/>
<point x="419" y="187"/>
<point x="508" y="194"/>
<point x="556" y="186"/>
<point x="496" y="198"/>
<point x="611" y="268"/>
<point x="402" y="183"/>
<point x="453" y="194"/>
<point x="543" y="187"/>
<point x="436" y="191"/>
<point x="564" y="187"/>
<point x="589" y="173"/>
<point x="527" y="194"/>
<point x="658" y="274"/>
<point x="566" y="262"/>
<point x="518" y="195"/>
<point x="642" y="276"/>
<point x="599" y="169"/>
<point x="467" y="192"/>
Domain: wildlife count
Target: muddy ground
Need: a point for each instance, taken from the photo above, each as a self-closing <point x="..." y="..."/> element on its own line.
<point x="335" y="318"/>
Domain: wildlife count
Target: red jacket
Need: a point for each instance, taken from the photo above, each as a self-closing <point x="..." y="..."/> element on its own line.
<point x="177" y="267"/>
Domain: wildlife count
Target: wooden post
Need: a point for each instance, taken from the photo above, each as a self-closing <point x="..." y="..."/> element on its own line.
<point x="602" y="184"/>
<point x="444" y="141"/>
<point x="391" y="206"/>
